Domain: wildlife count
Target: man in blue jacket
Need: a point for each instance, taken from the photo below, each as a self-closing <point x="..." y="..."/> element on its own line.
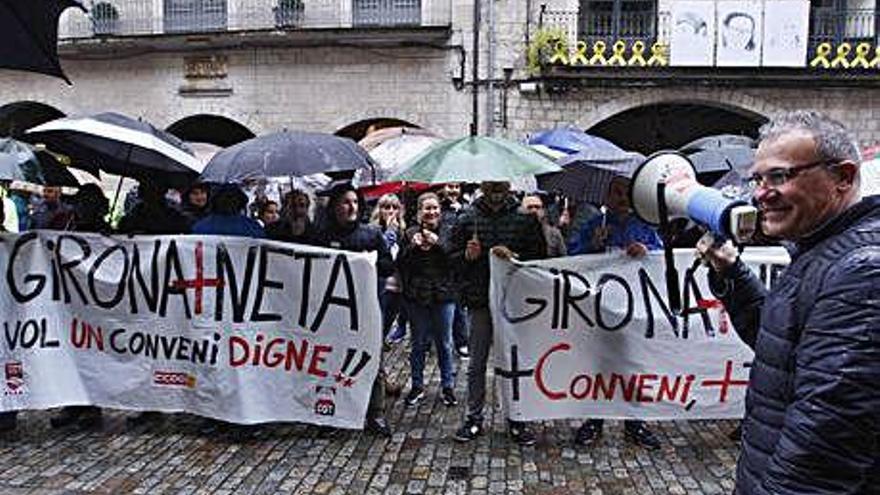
<point x="812" y="421"/>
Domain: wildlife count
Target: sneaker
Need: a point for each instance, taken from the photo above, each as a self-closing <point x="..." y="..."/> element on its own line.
<point x="449" y="397"/>
<point x="415" y="396"/>
<point x="462" y="351"/>
<point x="468" y="431"/>
<point x="641" y="435"/>
<point x="81" y="416"/>
<point x="587" y="434"/>
<point x="378" y="426"/>
<point x="396" y="336"/>
<point x="521" y="434"/>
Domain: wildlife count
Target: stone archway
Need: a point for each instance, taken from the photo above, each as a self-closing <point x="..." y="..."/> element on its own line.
<point x="669" y="125"/>
<point x="207" y="128"/>
<point x="18" y="117"/>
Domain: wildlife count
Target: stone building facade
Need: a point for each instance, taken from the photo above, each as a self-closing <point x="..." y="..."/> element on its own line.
<point x="339" y="65"/>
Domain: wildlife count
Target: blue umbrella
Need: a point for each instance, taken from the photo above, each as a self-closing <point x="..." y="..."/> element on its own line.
<point x="570" y="140"/>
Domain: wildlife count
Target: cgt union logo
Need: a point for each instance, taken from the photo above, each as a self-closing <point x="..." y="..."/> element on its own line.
<point x="325" y="405"/>
<point x="173" y="379"/>
<point x="14" y="378"/>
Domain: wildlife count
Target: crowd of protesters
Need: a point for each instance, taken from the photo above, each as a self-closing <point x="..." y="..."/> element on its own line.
<point x="433" y="263"/>
<point x="811" y="409"/>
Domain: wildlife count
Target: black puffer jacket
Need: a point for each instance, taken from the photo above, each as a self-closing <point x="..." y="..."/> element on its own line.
<point x="358" y="237"/>
<point x="427" y="275"/>
<point x="812" y="422"/>
<point x="505" y="227"/>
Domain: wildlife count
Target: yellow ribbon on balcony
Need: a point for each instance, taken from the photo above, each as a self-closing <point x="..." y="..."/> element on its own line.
<point x="861" y="60"/>
<point x="638" y="56"/>
<point x="580" y="54"/>
<point x="659" y="54"/>
<point x="617" y="57"/>
<point x="821" y="58"/>
<point x="841" y="59"/>
<point x="876" y="60"/>
<point x="598" y="57"/>
<point x="560" y="56"/>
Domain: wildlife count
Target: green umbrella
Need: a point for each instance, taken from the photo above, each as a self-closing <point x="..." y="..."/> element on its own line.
<point x="474" y="159"/>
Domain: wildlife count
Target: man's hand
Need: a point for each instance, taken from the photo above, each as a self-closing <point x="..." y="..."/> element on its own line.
<point x="636" y="250"/>
<point x="473" y="250"/>
<point x="503" y="252"/>
<point x="718" y="256"/>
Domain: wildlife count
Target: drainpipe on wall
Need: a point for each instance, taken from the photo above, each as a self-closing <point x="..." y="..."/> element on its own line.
<point x="475" y="78"/>
<point x="490" y="73"/>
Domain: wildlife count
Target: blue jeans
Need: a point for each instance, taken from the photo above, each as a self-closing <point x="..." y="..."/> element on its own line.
<point x="392" y="307"/>
<point x="431" y="323"/>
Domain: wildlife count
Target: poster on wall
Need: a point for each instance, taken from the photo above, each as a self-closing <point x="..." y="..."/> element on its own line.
<point x="693" y="34"/>
<point x="786" y="28"/>
<point x="739" y="33"/>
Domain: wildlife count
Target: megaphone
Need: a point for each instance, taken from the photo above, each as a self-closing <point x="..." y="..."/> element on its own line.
<point x="665" y="187"/>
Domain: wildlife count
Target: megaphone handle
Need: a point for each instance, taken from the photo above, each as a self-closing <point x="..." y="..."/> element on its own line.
<point x="673" y="291"/>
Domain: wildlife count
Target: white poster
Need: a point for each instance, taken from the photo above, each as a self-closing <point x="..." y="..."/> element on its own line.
<point x="593" y="337"/>
<point x="237" y="329"/>
<point x="740" y="28"/>
<point x="786" y="30"/>
<point x="693" y="34"/>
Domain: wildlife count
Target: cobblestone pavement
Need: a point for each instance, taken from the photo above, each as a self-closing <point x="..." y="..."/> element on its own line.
<point x="182" y="455"/>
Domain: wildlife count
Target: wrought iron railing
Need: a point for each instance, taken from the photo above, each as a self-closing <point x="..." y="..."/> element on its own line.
<point x="837" y="26"/>
<point x="152" y="17"/>
<point x="626" y="26"/>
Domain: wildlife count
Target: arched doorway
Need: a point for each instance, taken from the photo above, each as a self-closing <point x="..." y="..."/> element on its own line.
<point x="650" y="128"/>
<point x="214" y="129"/>
<point x="358" y="130"/>
<point x="17" y="117"/>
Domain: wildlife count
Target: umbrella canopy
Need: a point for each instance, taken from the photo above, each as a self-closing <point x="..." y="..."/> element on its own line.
<point x="586" y="175"/>
<point x="29" y="35"/>
<point x="37" y="166"/>
<point x="10" y="169"/>
<point x="120" y="145"/>
<point x="570" y="140"/>
<point x="391" y="155"/>
<point x="203" y="151"/>
<point x="719" y="154"/>
<point x="285" y="154"/>
<point x="380" y="136"/>
<point x="475" y="159"/>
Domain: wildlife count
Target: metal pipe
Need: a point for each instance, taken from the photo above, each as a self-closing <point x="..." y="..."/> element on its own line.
<point x="490" y="74"/>
<point x="475" y="111"/>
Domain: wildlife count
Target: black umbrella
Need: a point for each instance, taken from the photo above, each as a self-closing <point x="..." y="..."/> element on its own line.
<point x="120" y="145"/>
<point x="37" y="166"/>
<point x="285" y="154"/>
<point x="29" y="35"/>
<point x="714" y="156"/>
<point x="586" y="175"/>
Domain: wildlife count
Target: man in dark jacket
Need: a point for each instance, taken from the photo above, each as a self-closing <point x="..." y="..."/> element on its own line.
<point x="812" y="421"/>
<point x="492" y="223"/>
<point x="344" y="231"/>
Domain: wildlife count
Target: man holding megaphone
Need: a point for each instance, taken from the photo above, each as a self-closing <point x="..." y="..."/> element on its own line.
<point x="812" y="421"/>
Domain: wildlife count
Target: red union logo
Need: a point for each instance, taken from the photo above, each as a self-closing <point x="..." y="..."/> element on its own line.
<point x="14" y="378"/>
<point x="174" y="379"/>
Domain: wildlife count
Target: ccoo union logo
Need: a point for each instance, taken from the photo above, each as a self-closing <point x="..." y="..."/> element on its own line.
<point x="174" y="379"/>
<point x="14" y="378"/>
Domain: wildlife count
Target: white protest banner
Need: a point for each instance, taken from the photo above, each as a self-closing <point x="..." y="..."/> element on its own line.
<point x="593" y="336"/>
<point x="237" y="329"/>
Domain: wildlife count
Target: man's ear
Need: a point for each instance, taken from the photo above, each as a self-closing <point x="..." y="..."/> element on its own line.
<point x="847" y="172"/>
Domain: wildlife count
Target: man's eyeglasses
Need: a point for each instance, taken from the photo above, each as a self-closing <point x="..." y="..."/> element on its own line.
<point x="776" y="177"/>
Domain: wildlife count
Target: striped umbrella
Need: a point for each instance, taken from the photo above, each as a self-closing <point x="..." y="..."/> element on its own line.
<point x="120" y="145"/>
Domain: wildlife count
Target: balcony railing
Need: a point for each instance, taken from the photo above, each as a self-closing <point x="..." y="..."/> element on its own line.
<point x="837" y="26"/>
<point x="628" y="26"/>
<point x="154" y="17"/>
